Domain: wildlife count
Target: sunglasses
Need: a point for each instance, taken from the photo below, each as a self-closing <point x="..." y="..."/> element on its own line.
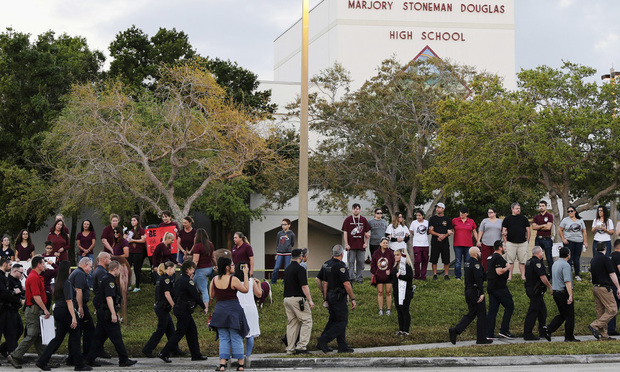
<point x="571" y="211"/>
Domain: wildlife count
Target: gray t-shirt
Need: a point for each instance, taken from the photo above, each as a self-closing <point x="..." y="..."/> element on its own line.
<point x="560" y="274"/>
<point x="573" y="229"/>
<point x="377" y="230"/>
<point x="492" y="231"/>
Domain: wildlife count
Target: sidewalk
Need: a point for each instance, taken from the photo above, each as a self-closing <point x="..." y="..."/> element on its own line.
<point x="271" y="361"/>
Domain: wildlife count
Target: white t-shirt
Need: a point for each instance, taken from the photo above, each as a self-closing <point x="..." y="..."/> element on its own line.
<point x="420" y="233"/>
<point x="600" y="235"/>
<point x="399" y="232"/>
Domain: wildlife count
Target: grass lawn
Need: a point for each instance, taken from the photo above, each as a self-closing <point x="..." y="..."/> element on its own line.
<point x="436" y="306"/>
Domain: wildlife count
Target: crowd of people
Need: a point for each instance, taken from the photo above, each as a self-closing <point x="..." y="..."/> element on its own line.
<point x="485" y="253"/>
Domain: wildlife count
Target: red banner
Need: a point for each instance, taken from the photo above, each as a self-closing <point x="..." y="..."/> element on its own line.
<point x="156" y="236"/>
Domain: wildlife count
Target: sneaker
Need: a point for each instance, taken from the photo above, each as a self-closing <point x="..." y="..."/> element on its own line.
<point x="136" y="290"/>
<point x="458" y="278"/>
<point x="578" y="278"/>
<point x="380" y="312"/>
<point x="404" y="333"/>
<point x="388" y="312"/>
<point x="546" y="333"/>
<point x="492" y="337"/>
<point x="14" y="361"/>
<point x="248" y="361"/>
<point x="507" y="335"/>
<point x="446" y="277"/>
<point x="434" y="277"/>
<point x="484" y="342"/>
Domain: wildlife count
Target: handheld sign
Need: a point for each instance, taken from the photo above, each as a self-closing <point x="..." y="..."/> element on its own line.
<point x="156" y="236"/>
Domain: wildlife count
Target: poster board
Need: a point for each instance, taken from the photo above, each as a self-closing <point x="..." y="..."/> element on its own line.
<point x="48" y="332"/>
<point x="156" y="235"/>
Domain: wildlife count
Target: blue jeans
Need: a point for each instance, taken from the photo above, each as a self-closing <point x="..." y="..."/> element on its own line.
<point x="460" y="252"/>
<point x="180" y="257"/>
<point x="547" y="245"/>
<point x="575" y="255"/>
<point x="249" y="346"/>
<point x="607" y="249"/>
<point x="201" y="277"/>
<point x="280" y="259"/>
<point x="230" y="338"/>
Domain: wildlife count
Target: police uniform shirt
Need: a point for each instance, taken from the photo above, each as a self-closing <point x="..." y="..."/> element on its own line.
<point x="165" y="283"/>
<point x="294" y="278"/>
<point x="338" y="275"/>
<point x="494" y="281"/>
<point x="474" y="275"/>
<point x="615" y="260"/>
<point x="5" y="294"/>
<point x="534" y="269"/>
<point x="325" y="269"/>
<point x="98" y="275"/>
<point x="107" y="288"/>
<point x="186" y="291"/>
<point x="601" y="267"/>
<point x="14" y="283"/>
<point x="79" y="280"/>
<point x="66" y="294"/>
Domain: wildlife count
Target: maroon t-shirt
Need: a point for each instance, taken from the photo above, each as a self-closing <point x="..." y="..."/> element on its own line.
<point x="382" y="264"/>
<point x="85" y="240"/>
<point x="60" y="241"/>
<point x="242" y="253"/>
<point x="205" y="259"/>
<point x="108" y="234"/>
<point x="162" y="254"/>
<point x="187" y="238"/>
<point x="356" y="228"/>
<point x="23" y="253"/>
<point x="137" y="247"/>
<point x="543" y="219"/>
<point x="119" y="248"/>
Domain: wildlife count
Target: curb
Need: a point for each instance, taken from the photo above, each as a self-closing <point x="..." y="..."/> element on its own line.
<point x="434" y="362"/>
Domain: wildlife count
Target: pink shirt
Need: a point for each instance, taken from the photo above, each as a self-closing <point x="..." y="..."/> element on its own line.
<point x="463" y="232"/>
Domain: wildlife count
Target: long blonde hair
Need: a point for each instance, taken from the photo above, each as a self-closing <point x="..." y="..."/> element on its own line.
<point x="395" y="223"/>
<point x="403" y="252"/>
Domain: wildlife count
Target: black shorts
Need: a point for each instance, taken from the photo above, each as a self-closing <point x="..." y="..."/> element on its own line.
<point x="440" y="249"/>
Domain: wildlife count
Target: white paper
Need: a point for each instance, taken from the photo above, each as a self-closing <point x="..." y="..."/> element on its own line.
<point x="555" y="250"/>
<point x="48" y="332"/>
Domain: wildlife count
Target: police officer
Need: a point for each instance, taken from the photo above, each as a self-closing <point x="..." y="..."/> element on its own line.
<point x="336" y="285"/>
<point x="536" y="283"/>
<point x="107" y="303"/>
<point x="5" y="298"/>
<point x="603" y="276"/>
<point x="103" y="260"/>
<point x="164" y="302"/>
<point x="187" y="297"/>
<point x="497" y="276"/>
<point x="474" y="295"/>
<point x="11" y="308"/>
<point x="80" y="282"/>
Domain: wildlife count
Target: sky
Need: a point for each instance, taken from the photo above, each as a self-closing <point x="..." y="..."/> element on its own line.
<point x="547" y="31"/>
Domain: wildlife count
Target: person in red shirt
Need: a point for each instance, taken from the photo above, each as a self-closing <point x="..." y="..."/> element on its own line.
<point x="85" y="240"/>
<point x="464" y="229"/>
<point x="60" y="241"/>
<point x="107" y="235"/>
<point x="543" y="223"/>
<point x="242" y="251"/>
<point x="162" y="253"/>
<point x="121" y="246"/>
<point x="35" y="307"/>
<point x="137" y="245"/>
<point x="355" y="228"/>
<point x="186" y="235"/>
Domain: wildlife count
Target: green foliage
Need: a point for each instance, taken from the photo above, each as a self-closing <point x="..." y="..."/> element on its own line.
<point x="380" y="138"/>
<point x="34" y="77"/>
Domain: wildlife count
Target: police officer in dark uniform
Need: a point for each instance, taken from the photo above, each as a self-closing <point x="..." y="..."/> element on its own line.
<point x="474" y="295"/>
<point x="107" y="303"/>
<point x="15" y="326"/>
<point x="164" y="302"/>
<point x="103" y="260"/>
<point x="80" y="281"/>
<point x="187" y="297"/>
<point x="536" y="283"/>
<point x="336" y="285"/>
<point x="6" y="300"/>
<point x="497" y="276"/>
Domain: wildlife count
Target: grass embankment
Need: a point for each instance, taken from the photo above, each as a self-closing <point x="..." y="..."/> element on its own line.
<point x="436" y="306"/>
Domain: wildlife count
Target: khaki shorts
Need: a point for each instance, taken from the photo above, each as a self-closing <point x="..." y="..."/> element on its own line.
<point x="516" y="252"/>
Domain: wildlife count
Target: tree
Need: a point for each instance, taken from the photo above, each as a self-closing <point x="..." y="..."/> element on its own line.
<point x="380" y="138"/>
<point x="164" y="147"/>
<point x="557" y="135"/>
<point x="137" y="58"/>
<point x="34" y="76"/>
